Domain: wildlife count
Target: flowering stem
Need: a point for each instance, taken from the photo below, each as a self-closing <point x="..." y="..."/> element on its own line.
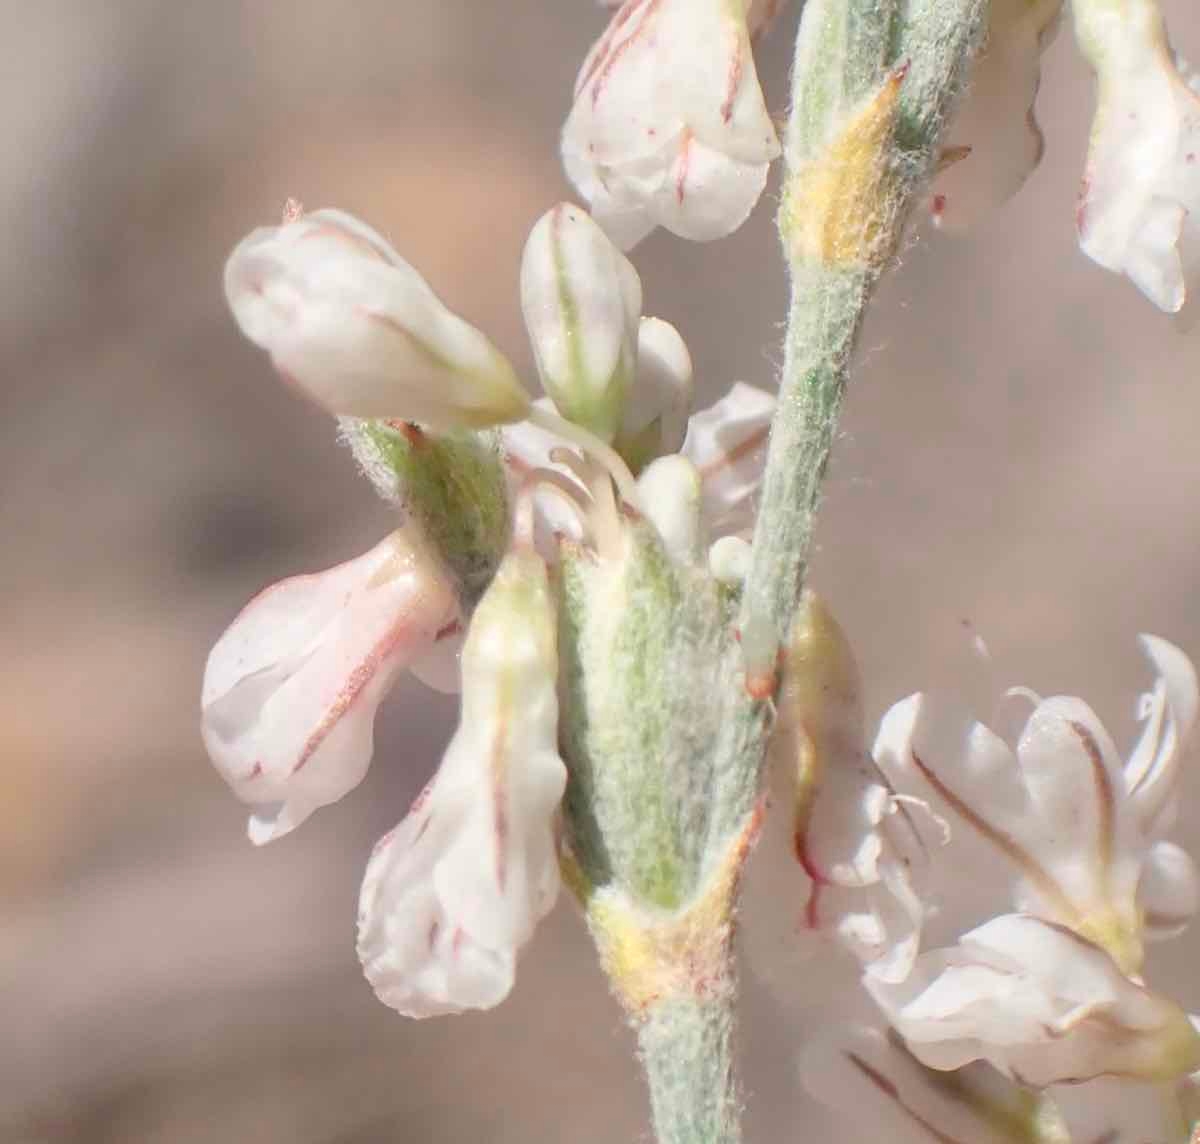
<point x="687" y="1053"/>
<point x="873" y="84"/>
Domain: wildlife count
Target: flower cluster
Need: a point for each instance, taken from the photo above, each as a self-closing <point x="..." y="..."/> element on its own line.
<point x="1049" y="854"/>
<point x="292" y="688"/>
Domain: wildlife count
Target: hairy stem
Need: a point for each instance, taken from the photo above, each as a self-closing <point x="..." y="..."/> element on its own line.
<point x="687" y="1053"/>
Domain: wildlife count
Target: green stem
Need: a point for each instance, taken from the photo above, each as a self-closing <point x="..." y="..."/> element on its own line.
<point x="687" y="1053"/>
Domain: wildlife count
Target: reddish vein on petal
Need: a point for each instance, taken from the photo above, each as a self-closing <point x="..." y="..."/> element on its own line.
<point x="353" y="688"/>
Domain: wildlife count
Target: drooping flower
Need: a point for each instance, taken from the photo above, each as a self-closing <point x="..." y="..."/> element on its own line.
<point x="457" y="888"/>
<point x="669" y="127"/>
<point x="356" y="329"/>
<point x="1140" y="200"/>
<point x="291" y="688"/>
<point x="995" y="142"/>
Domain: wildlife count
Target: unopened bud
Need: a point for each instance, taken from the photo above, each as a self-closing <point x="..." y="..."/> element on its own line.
<point x="582" y="299"/>
<point x="356" y="329"/>
<point x="655" y="419"/>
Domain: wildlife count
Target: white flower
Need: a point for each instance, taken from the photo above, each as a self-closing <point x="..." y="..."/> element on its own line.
<point x="995" y="141"/>
<point x="1076" y="834"/>
<point x="1040" y="1003"/>
<point x="291" y="688"/>
<point x="856" y="841"/>
<point x="877" y="1084"/>
<point x="457" y="888"/>
<point x="1140" y="202"/>
<point x="355" y="328"/>
<point x="724" y="450"/>
<point x="582" y="301"/>
<point x="669" y="127"/>
<point x="1116" y="1110"/>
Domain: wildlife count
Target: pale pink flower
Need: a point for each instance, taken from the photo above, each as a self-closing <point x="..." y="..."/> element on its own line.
<point x="291" y="688"/>
<point x="356" y="329"/>
<point x="457" y="888"/>
<point x="669" y="127"/>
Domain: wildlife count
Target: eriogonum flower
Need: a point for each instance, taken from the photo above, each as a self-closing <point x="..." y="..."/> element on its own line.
<point x="1140" y="200"/>
<point x="355" y="328"/>
<point x="456" y="889"/>
<point x="291" y="689"/>
<point x="994" y="141"/>
<point x="669" y="127"/>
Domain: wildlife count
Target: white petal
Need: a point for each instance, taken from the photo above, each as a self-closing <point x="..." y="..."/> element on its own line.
<point x="453" y="894"/>
<point x="1169" y="716"/>
<point x="669" y="127"/>
<point x="357" y="330"/>
<point x="1039" y="1003"/>
<point x="1141" y="189"/>
<point x="1169" y="891"/>
<point x="670" y="495"/>
<point x="727" y="442"/>
<point x="290" y="690"/>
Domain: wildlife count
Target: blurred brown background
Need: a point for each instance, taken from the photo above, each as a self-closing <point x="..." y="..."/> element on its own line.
<point x="1019" y="460"/>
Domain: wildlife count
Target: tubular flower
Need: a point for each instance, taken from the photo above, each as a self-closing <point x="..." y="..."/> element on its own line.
<point x="1078" y="834"/>
<point x="1140" y="201"/>
<point x="457" y="888"/>
<point x="854" y="838"/>
<point x="356" y="329"/>
<point x="669" y="127"/>
<point x="995" y="141"/>
<point x="291" y="688"/>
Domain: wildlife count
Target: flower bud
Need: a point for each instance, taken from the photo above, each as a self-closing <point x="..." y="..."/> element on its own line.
<point x="582" y="300"/>
<point x="655" y="419"/>
<point x="356" y="329"/>
<point x="669" y="127"/>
